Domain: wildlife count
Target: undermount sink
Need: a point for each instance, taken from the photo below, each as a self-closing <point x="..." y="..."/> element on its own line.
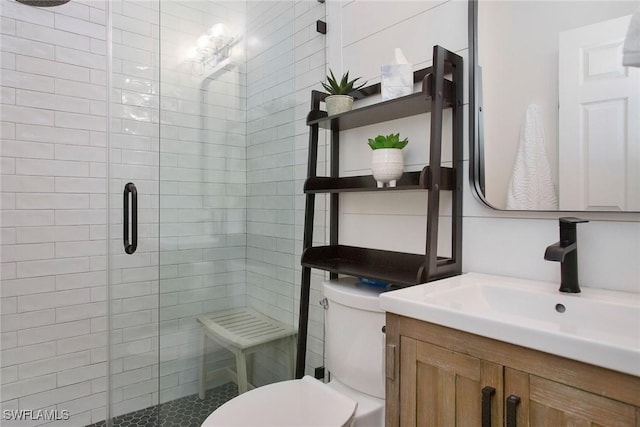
<point x="596" y="326"/>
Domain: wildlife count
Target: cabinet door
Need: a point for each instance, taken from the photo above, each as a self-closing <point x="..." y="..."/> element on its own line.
<point x="440" y="387"/>
<point x="548" y="403"/>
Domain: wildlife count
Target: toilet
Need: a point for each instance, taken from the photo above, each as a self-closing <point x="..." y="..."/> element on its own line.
<point x="354" y="346"/>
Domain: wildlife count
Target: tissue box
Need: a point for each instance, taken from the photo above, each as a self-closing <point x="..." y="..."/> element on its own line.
<point x="396" y="80"/>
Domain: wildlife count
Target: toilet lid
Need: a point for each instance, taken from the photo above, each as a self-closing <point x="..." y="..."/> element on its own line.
<point x="301" y="403"/>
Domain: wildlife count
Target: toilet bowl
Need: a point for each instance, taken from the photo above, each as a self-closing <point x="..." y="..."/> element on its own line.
<point x="354" y="357"/>
<point x="370" y="409"/>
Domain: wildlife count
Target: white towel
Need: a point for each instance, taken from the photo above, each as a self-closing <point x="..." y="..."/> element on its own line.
<point x="631" y="49"/>
<point x="531" y="186"/>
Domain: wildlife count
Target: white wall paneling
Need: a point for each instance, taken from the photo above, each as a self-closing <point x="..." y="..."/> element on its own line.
<point x="509" y="243"/>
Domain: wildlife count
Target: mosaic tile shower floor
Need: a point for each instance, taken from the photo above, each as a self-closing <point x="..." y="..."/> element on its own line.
<point x="188" y="411"/>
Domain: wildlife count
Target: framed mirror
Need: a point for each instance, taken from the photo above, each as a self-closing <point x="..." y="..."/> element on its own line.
<point x="554" y="113"/>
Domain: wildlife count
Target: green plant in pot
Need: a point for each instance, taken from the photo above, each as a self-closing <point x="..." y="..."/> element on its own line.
<point x="339" y="99"/>
<point x="387" y="165"/>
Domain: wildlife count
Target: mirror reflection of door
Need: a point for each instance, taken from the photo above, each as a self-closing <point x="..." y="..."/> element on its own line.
<point x="599" y="156"/>
<point x="518" y="48"/>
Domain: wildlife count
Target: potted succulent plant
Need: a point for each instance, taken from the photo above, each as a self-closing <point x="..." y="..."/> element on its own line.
<point x="339" y="99"/>
<point x="387" y="165"/>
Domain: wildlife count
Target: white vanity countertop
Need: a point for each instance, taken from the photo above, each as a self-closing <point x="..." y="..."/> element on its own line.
<point x="597" y="326"/>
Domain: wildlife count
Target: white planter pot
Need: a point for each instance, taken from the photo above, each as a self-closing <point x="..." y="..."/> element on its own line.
<point x="337" y="104"/>
<point x="387" y="166"/>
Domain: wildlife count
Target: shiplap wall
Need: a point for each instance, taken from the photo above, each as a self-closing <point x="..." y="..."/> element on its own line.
<point x="506" y="243"/>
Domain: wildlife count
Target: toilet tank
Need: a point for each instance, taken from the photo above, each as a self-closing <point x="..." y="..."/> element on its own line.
<point x="354" y="341"/>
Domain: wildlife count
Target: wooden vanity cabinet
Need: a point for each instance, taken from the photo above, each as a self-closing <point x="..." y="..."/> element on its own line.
<point x="548" y="403"/>
<point x="437" y="376"/>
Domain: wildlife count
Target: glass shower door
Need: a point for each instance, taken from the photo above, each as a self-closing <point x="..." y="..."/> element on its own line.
<point x="148" y="179"/>
<point x="226" y="197"/>
<point x="202" y="108"/>
<point x="134" y="162"/>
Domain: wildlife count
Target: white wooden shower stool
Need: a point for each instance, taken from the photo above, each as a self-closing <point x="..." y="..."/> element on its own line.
<point x="242" y="331"/>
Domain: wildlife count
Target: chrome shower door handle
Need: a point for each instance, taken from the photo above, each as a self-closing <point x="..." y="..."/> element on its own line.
<point x="130" y="218"/>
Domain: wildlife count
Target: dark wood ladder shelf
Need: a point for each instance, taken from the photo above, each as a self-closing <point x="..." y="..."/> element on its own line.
<point x="399" y="269"/>
<point x="392" y="109"/>
<point x="409" y="181"/>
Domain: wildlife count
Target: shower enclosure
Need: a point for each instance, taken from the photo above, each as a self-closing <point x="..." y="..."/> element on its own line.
<point x="153" y="154"/>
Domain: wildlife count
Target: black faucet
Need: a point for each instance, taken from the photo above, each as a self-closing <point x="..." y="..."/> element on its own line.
<point x="566" y="253"/>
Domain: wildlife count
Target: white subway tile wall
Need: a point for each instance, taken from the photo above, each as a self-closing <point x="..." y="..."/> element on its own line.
<point x="219" y="165"/>
<point x="270" y="197"/>
<point x="54" y="189"/>
<point x="202" y="188"/>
